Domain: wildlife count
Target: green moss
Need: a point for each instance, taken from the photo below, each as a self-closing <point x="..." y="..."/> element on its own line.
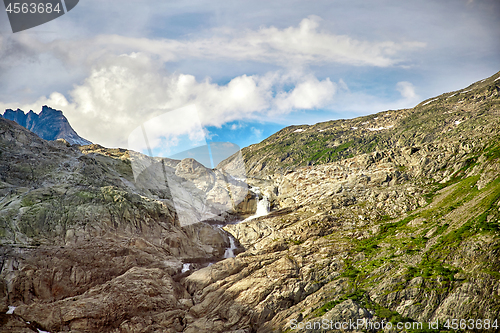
<point x="27" y="202"/>
<point x="85" y="195"/>
<point x="350" y="272"/>
<point x="326" y="154"/>
<point x="360" y="296"/>
<point x="493" y="153"/>
<point x="296" y="242"/>
<point x="355" y="296"/>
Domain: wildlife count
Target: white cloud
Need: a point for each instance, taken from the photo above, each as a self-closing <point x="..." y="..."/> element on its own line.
<point x="237" y="126"/>
<point x="256" y="132"/>
<point x="292" y="46"/>
<point x="121" y="94"/>
<point x="308" y="94"/>
<point x="407" y="90"/>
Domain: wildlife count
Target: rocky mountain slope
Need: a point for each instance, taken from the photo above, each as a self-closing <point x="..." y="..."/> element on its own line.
<point x="49" y="124"/>
<point x="407" y="231"/>
<point x="444" y="118"/>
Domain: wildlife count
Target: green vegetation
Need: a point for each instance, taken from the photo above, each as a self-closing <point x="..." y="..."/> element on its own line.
<point x="355" y="296"/>
<point x="326" y="155"/>
<point x="27" y="201"/>
<point x="360" y="296"/>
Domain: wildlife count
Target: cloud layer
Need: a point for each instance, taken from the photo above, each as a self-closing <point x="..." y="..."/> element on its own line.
<point x="292" y="46"/>
<point x="123" y="92"/>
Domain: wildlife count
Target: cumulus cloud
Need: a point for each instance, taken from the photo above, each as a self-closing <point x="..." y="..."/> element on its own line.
<point x="126" y="83"/>
<point x="121" y="94"/>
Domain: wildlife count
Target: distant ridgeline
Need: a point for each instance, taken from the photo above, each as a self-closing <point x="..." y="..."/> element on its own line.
<point x="50" y="124"/>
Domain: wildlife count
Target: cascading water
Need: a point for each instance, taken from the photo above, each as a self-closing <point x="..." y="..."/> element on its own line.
<point x="230" y="250"/>
<point x="263" y="206"/>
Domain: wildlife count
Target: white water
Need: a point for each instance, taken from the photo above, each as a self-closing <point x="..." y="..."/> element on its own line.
<point x="230" y="250"/>
<point x="262" y="207"/>
<point x="185" y="268"/>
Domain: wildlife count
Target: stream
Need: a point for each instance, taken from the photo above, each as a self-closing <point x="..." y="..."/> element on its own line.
<point x="263" y="208"/>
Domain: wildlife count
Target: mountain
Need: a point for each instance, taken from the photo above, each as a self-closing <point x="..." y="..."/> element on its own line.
<point x="49" y="124"/>
<point x="443" y="118"/>
<point x="400" y="226"/>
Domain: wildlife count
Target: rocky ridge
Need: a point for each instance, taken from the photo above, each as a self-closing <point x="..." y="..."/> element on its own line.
<point x="406" y="232"/>
<point x="446" y="117"/>
<point x="49" y="124"/>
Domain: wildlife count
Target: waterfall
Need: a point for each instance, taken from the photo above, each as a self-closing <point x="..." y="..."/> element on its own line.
<point x="230" y="250"/>
<point x="263" y="206"/>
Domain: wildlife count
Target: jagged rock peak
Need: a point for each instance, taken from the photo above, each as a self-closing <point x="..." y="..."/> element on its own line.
<point x="50" y="124"/>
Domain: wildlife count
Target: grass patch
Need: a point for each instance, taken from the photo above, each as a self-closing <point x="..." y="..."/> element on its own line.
<point x="355" y="296"/>
<point x="359" y="296"/>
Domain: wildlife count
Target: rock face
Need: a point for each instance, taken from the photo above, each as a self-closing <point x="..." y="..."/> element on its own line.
<point x="49" y="124"/>
<point x="408" y="232"/>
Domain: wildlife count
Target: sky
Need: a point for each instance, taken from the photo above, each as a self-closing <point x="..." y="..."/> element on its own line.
<point x="172" y="75"/>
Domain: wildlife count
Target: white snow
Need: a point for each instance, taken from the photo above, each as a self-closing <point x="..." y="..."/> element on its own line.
<point x="451" y="96"/>
<point x="366" y="122"/>
<point x="11" y="309"/>
<point x="321" y="130"/>
<point x="457" y="122"/>
<point x="299" y="130"/>
<point x="354" y="128"/>
<point x="375" y="118"/>
<point x="380" y="128"/>
<point x="498" y="78"/>
<point x="40" y="331"/>
<point x="432" y="100"/>
<point x="463" y="92"/>
<point x="185" y="268"/>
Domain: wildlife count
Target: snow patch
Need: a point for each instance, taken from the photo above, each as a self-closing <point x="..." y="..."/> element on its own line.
<point x="457" y="122"/>
<point x="451" y="96"/>
<point x="463" y="92"/>
<point x="11" y="309"/>
<point x="498" y="78"/>
<point x="185" y="268"/>
<point x="380" y="128"/>
<point x="432" y="100"/>
<point x="299" y="130"/>
<point x="354" y="128"/>
<point x="366" y="122"/>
